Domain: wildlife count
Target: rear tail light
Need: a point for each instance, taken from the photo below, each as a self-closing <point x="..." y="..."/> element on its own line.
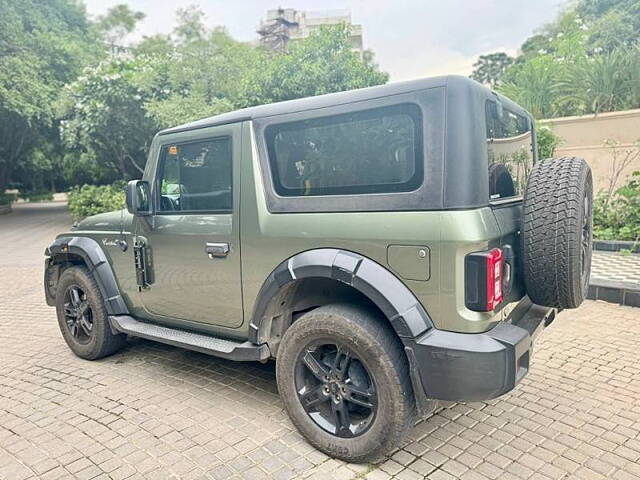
<point x="483" y="280"/>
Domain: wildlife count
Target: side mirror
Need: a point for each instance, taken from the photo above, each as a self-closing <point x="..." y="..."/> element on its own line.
<point x="139" y="198"/>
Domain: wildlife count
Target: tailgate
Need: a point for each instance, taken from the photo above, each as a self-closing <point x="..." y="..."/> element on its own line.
<point x="508" y="216"/>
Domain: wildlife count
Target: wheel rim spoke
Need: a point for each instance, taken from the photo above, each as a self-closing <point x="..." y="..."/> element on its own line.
<point x="86" y="326"/>
<point x="341" y="363"/>
<point x="342" y="419"/>
<point x="315" y="367"/>
<point x="364" y="398"/>
<point x="69" y="311"/>
<point x="82" y="308"/>
<point x="75" y="296"/>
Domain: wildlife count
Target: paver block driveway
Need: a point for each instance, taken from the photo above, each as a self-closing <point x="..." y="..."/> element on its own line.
<point x="154" y="411"/>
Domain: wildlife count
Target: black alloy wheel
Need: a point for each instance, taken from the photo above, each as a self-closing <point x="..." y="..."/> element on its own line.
<point x="335" y="389"/>
<point x="343" y="377"/>
<point x="82" y="316"/>
<point x="78" y="314"/>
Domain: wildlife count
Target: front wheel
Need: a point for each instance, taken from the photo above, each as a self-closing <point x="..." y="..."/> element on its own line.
<point x="82" y="317"/>
<point x="344" y="380"/>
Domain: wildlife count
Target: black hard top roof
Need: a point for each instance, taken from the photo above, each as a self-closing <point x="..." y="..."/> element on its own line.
<point x="333" y="99"/>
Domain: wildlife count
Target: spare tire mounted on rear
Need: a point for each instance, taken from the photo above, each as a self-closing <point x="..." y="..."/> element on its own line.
<point x="557" y="232"/>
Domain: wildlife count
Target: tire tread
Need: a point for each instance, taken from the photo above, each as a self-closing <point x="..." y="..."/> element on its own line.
<point x="552" y="225"/>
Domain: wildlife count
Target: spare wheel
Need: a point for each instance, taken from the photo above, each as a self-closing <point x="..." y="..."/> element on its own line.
<point x="557" y="232"/>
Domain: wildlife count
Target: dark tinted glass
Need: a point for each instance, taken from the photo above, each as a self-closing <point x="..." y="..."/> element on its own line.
<point x="509" y="147"/>
<point x="373" y="151"/>
<point x="196" y="176"/>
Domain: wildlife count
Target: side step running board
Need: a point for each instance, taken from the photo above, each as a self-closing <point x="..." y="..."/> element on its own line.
<point x="219" y="347"/>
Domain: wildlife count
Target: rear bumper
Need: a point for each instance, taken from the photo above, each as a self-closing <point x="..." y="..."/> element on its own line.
<point x="473" y="367"/>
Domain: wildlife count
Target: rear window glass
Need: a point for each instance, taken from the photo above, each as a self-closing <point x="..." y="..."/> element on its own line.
<point x="509" y="148"/>
<point x="371" y="151"/>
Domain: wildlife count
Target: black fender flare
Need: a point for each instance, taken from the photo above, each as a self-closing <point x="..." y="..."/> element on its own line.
<point x="96" y="261"/>
<point x="404" y="311"/>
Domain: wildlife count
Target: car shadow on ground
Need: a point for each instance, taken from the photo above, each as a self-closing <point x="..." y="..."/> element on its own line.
<point x="194" y="367"/>
<point x="254" y="381"/>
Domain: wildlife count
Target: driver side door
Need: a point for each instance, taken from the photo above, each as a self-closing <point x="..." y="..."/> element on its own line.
<point x="193" y="236"/>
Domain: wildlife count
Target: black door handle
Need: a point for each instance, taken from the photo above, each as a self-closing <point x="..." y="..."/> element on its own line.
<point x="214" y="250"/>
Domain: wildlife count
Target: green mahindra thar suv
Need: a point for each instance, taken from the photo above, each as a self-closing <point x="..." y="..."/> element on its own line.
<point x="389" y="248"/>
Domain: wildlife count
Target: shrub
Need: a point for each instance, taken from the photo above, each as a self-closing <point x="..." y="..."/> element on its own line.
<point x="618" y="217"/>
<point x="547" y="142"/>
<point x="7" y="198"/>
<point x="36" y="196"/>
<point x="92" y="199"/>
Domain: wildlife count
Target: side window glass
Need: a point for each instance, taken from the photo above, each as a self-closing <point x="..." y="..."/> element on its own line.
<point x="196" y="177"/>
<point x="509" y="148"/>
<point x="371" y="151"/>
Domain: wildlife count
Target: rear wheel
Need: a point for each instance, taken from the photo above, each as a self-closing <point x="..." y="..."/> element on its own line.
<point x="82" y="317"/>
<point x="557" y="232"/>
<point x="344" y="380"/>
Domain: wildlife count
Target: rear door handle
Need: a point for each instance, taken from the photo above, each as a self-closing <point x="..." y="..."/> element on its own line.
<point x="214" y="250"/>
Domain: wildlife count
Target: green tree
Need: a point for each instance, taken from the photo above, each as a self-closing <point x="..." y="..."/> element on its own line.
<point x="586" y="61"/>
<point x="159" y="44"/>
<point x="322" y="63"/>
<point x="539" y="44"/>
<point x="104" y="117"/>
<point x="601" y="83"/>
<point x="43" y="45"/>
<point x="118" y="22"/>
<point x="490" y="68"/>
<point x="534" y="85"/>
<point x="191" y="25"/>
<point x="614" y="23"/>
<point x="112" y="111"/>
<point x="205" y="76"/>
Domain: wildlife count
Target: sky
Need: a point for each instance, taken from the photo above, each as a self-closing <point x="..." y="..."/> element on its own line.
<point x="410" y="38"/>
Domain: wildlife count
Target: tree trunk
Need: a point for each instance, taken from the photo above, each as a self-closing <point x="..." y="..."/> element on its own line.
<point x="137" y="167"/>
<point x="4" y="177"/>
<point x="122" y="166"/>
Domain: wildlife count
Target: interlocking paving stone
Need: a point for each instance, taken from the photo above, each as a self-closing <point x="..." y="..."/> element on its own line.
<point x="620" y="268"/>
<point x="154" y="411"/>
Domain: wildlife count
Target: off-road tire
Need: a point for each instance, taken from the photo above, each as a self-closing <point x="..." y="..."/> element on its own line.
<point x="103" y="341"/>
<point x="558" y="206"/>
<point x="377" y="346"/>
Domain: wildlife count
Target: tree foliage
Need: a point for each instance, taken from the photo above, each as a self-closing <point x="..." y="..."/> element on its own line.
<point x="111" y="111"/>
<point x="614" y="23"/>
<point x="104" y="116"/>
<point x="76" y="108"/>
<point x="490" y="68"/>
<point x="118" y="22"/>
<point x="322" y="63"/>
<point x="587" y="61"/>
<point x="43" y="45"/>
